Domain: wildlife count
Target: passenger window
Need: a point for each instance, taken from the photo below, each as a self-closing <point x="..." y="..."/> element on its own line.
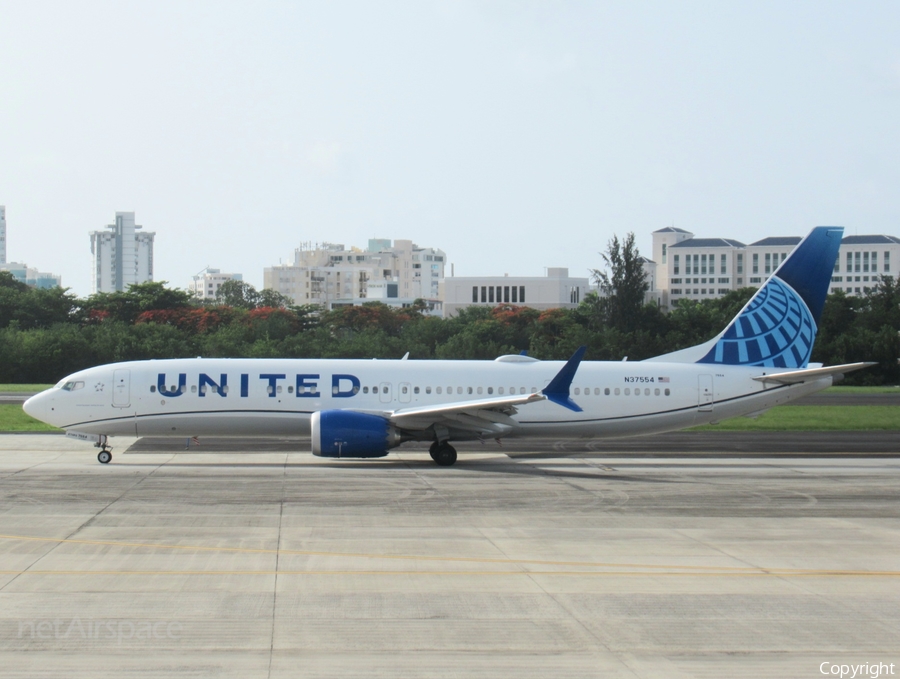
<point x="490" y="390"/>
<point x="647" y="391"/>
<point x="290" y="390"/>
<point x="202" y="389"/>
<point x="374" y="390"/>
<point x="627" y="391"/>
<point x="152" y="389"/>
<point x="577" y="391"/>
<point x="667" y="391"/>
<point x="365" y="390"/>
<point x="480" y="390"/>
<point x="269" y="390"/>
<point x="279" y="389"/>
<point x="438" y="390"/>
<point x="415" y="390"/>
<point x="355" y="390"/>
<point x="427" y="390"/>
<point x="500" y="390"/>
<point x="459" y="390"/>
<point x="403" y="389"/>
<point x="606" y="391"/>
<point x="617" y="391"/>
<point x="534" y="390"/>
<point x="224" y="390"/>
<point x="470" y="390"/>
<point x="656" y="392"/>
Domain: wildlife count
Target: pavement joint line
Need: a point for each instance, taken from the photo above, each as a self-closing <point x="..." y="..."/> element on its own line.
<point x="654" y="568"/>
<point x="768" y="573"/>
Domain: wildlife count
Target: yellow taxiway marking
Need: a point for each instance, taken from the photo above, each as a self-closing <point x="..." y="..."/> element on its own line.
<point x="654" y="569"/>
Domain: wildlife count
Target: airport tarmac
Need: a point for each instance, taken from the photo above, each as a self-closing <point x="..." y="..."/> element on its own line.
<point x="517" y="561"/>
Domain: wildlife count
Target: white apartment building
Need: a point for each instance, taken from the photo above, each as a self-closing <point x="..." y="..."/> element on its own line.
<point x="2" y="234"/>
<point x="332" y="275"/>
<point x="206" y="284"/>
<point x="556" y="290"/>
<point x="707" y="268"/>
<point x="121" y="255"/>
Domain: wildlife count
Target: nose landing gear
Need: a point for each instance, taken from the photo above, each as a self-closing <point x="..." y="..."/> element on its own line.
<point x="105" y="454"/>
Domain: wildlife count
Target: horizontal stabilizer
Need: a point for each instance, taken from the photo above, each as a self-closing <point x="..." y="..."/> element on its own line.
<point x="797" y="376"/>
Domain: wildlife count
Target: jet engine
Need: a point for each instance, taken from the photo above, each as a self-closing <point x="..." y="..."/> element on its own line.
<point x="343" y="433"/>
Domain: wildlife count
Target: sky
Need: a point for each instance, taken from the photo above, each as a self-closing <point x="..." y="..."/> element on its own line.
<point x="513" y="135"/>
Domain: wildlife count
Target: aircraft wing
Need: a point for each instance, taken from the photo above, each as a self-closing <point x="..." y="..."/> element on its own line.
<point x="491" y="415"/>
<point x="797" y="376"/>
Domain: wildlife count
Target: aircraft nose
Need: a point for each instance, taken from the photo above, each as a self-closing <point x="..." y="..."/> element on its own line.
<point x="36" y="407"/>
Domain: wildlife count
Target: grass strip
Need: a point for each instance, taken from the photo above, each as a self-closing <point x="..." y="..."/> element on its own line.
<point x="815" y="418"/>
<point x="23" y="388"/>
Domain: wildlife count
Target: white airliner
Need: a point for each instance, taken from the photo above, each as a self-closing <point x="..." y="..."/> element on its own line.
<point x="363" y="408"/>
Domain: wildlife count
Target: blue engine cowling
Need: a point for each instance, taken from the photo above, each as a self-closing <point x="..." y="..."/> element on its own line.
<point x="343" y="433"/>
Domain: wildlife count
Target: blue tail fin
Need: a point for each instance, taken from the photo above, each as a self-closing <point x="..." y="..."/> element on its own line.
<point x="777" y="327"/>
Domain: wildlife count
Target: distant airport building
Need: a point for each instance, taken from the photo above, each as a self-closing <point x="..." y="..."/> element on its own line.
<point x="121" y="255"/>
<point x="556" y="290"/>
<point x="332" y="275"/>
<point x="22" y="272"/>
<point x="706" y="268"/>
<point x="31" y="276"/>
<point x="2" y="234"/>
<point x="206" y="284"/>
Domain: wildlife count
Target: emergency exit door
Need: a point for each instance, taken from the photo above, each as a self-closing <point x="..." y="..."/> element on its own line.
<point x="121" y="388"/>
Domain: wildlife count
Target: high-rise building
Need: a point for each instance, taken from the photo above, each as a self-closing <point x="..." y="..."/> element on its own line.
<point x="332" y="275"/>
<point x="206" y="284"/>
<point x="2" y="234"/>
<point x="122" y="256"/>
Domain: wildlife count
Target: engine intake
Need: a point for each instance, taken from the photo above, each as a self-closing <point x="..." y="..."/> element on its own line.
<point x="342" y="433"/>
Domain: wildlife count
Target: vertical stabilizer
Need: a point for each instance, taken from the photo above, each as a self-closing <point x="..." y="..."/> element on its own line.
<point x="777" y="327"/>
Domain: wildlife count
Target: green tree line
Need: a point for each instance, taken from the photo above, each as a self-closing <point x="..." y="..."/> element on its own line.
<point x="47" y="334"/>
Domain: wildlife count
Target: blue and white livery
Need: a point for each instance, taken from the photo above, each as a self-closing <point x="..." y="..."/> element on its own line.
<point x="360" y="408"/>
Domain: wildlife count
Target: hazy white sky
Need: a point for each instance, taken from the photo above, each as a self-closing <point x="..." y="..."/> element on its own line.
<point x="514" y="135"/>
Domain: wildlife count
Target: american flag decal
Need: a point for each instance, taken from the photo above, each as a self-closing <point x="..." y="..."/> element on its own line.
<point x="662" y="379"/>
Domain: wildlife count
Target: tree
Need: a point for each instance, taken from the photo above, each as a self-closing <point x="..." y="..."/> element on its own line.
<point x="235" y="293"/>
<point x="622" y="289"/>
<point x="127" y="305"/>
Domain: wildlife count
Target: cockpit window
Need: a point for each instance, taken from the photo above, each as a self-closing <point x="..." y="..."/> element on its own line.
<point x="72" y="386"/>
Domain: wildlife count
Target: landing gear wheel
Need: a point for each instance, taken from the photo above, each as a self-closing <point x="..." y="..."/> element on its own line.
<point x="433" y="450"/>
<point x="444" y="454"/>
<point x="104" y="456"/>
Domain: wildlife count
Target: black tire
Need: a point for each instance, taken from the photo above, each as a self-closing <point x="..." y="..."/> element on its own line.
<point x="104" y="456"/>
<point x="445" y="455"/>
<point x="433" y="450"/>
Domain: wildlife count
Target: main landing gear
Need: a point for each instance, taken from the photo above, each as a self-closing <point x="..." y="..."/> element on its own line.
<point x="443" y="453"/>
<point x="105" y="454"/>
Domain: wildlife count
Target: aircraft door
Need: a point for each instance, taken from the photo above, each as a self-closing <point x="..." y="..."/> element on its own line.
<point x="384" y="392"/>
<point x="705" y="393"/>
<point x="405" y="392"/>
<point x="121" y="389"/>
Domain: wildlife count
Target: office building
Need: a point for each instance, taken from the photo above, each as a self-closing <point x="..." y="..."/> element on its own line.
<point x="708" y="268"/>
<point x="121" y="255"/>
<point x="556" y="290"/>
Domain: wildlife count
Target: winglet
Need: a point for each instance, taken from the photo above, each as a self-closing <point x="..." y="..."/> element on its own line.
<point x="558" y="389"/>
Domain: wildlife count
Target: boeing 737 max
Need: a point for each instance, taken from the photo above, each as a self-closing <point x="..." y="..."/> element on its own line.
<point x="360" y="408"/>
